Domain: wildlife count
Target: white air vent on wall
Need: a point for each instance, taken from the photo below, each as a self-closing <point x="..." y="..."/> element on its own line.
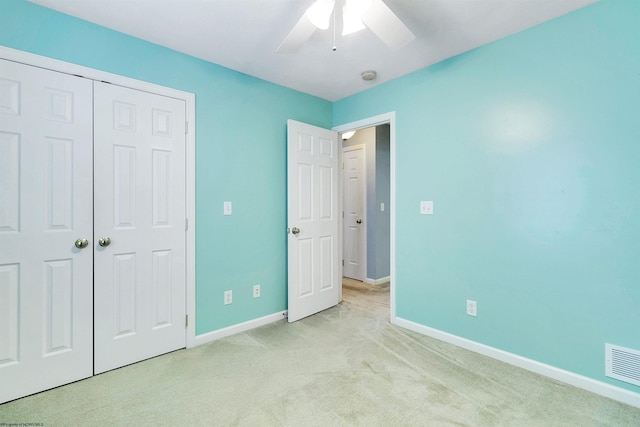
<point x="622" y="363"/>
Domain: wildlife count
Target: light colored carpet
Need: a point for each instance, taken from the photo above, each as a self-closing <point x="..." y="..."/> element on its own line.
<point x="342" y="367"/>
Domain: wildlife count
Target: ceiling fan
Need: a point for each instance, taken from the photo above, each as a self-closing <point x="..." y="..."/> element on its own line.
<point x="356" y="14"/>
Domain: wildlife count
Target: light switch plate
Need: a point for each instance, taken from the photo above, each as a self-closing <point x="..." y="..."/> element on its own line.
<point x="227" y="208"/>
<point x="426" y="207"/>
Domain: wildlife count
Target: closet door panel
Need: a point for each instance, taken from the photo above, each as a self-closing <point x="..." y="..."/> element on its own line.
<point x="46" y="282"/>
<point x="140" y="276"/>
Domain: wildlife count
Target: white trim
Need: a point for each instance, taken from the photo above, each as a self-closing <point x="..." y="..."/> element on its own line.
<point x="90" y="73"/>
<point x="389" y="118"/>
<point x="240" y="327"/>
<point x="603" y="389"/>
<point x="190" y="100"/>
<point x="380" y="119"/>
<point x="364" y="254"/>
<point x="191" y="218"/>
<point x="379" y="281"/>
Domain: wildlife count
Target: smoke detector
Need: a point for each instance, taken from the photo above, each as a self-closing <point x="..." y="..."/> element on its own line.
<point x="368" y="75"/>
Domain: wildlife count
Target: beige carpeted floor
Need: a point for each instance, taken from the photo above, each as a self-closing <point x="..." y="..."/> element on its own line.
<point x="342" y="367"/>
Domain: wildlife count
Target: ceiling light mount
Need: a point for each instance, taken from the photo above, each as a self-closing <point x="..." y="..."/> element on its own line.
<point x="369" y="75"/>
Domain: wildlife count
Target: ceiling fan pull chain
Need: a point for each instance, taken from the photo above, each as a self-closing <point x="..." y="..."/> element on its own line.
<point x="334" y="30"/>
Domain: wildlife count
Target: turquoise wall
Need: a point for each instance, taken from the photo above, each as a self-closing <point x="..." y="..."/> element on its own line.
<point x="240" y="153"/>
<point x="530" y="149"/>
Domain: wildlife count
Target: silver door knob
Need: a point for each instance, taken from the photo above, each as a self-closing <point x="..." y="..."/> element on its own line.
<point x="295" y="230"/>
<point x="359" y="221"/>
<point x="104" y="241"/>
<point x="82" y="243"/>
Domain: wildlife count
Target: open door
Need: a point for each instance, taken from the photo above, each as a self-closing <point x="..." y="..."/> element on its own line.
<point x="314" y="271"/>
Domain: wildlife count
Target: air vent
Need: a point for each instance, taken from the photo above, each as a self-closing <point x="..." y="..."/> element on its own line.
<point x="622" y="363"/>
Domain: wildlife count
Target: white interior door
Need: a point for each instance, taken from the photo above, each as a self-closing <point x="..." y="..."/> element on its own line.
<point x="314" y="273"/>
<point x="46" y="293"/>
<point x="354" y="189"/>
<point x="140" y="280"/>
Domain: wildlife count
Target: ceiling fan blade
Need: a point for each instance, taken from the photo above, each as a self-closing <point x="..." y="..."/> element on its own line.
<point x="299" y="34"/>
<point x="386" y="25"/>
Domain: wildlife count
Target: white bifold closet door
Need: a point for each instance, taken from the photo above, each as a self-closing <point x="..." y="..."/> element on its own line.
<point x="139" y="177"/>
<point x="92" y="228"/>
<point x="46" y="282"/>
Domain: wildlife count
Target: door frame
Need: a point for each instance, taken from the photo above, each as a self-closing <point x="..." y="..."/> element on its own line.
<point x="363" y="249"/>
<point x="190" y="140"/>
<point x="382" y="119"/>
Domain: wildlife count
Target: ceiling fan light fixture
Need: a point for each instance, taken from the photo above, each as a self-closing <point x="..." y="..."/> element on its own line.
<point x="359" y="7"/>
<point x="319" y="13"/>
<point x="357" y="14"/>
<point x="351" y="22"/>
<point x="352" y="15"/>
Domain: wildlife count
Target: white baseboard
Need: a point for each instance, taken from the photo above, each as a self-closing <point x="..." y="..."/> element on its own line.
<point x="240" y="327"/>
<point x="589" y="384"/>
<point x="377" y="281"/>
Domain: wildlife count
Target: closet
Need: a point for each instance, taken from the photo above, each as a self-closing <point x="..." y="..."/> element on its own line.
<point x="92" y="227"/>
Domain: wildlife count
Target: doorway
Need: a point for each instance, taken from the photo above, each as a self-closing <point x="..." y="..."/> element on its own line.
<point x="376" y="204"/>
<point x="314" y="259"/>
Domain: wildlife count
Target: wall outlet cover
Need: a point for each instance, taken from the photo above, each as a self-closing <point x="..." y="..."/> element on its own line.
<point x="227" y="208"/>
<point x="426" y="207"/>
<point x="472" y="308"/>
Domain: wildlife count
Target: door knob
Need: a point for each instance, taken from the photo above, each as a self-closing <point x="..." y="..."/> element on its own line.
<point x="82" y="243"/>
<point x="104" y="241"/>
<point x="359" y="221"/>
<point x="295" y="230"/>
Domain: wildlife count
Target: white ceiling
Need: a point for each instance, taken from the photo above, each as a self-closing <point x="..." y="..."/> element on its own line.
<point x="244" y="34"/>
